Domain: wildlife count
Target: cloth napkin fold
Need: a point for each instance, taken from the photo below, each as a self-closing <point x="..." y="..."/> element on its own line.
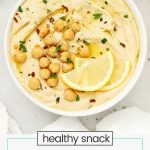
<point x="129" y="121"/>
<point x="7" y="124"/>
<point x="66" y="124"/>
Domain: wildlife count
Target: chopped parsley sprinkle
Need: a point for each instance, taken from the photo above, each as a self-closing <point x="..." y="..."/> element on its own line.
<point x="93" y="57"/>
<point x="57" y="100"/>
<point x="104" y="40"/>
<point x="77" y="98"/>
<point x="58" y="48"/>
<point x="20" y="9"/>
<point x="63" y="18"/>
<point x="48" y="11"/>
<point x="78" y="39"/>
<point x="23" y="47"/>
<point x="126" y="16"/>
<point x="85" y="42"/>
<point x="97" y="16"/>
<point x="53" y="75"/>
<point x="107" y="49"/>
<point x="69" y="60"/>
<point x="45" y="1"/>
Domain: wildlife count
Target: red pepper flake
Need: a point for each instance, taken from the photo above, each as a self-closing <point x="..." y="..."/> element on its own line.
<point x="66" y="8"/>
<point x="38" y="31"/>
<point x="45" y="47"/>
<point x="115" y="29"/>
<point x="123" y="45"/>
<point x="52" y="20"/>
<point x="88" y="12"/>
<point x="15" y="19"/>
<point x="17" y="14"/>
<point x="92" y="101"/>
<point x="33" y="74"/>
<point x="101" y="19"/>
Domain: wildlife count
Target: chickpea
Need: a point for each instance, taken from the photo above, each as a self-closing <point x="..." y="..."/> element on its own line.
<point x="75" y="27"/>
<point x="64" y="45"/>
<point x="50" y="40"/>
<point x="42" y="31"/>
<point x="45" y="74"/>
<point x="51" y="52"/>
<point x="44" y="62"/>
<point x="66" y="67"/>
<point x="34" y="83"/>
<point x="69" y="35"/>
<point x="64" y="56"/>
<point x="52" y="82"/>
<point x="54" y="67"/>
<point x="70" y="95"/>
<point x="83" y="50"/>
<point x="73" y="56"/>
<point x="19" y="57"/>
<point x="59" y="25"/>
<point x="37" y="52"/>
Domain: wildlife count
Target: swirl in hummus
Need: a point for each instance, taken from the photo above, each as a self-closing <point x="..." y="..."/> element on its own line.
<point x="45" y="38"/>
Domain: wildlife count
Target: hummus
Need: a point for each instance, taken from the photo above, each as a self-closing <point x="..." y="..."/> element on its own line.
<point x="109" y="22"/>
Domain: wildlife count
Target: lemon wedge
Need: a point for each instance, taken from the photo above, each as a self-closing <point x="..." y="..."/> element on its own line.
<point x="92" y="75"/>
<point x="120" y="72"/>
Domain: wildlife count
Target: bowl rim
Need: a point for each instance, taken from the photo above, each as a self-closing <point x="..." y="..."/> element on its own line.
<point x="105" y="106"/>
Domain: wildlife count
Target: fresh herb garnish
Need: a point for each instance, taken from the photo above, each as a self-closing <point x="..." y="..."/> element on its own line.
<point x="85" y="42"/>
<point x="69" y="60"/>
<point x="22" y="46"/>
<point x="97" y="16"/>
<point x="63" y="18"/>
<point x="104" y="40"/>
<point x="48" y="11"/>
<point x="77" y="98"/>
<point x="57" y="100"/>
<point x="45" y="1"/>
<point x="126" y="16"/>
<point x="20" y="9"/>
<point x="93" y="57"/>
<point x="107" y="49"/>
<point x="58" y="48"/>
<point x="53" y="75"/>
<point x="78" y="39"/>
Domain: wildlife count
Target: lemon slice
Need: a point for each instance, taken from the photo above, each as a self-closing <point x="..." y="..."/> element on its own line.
<point x="120" y="73"/>
<point x="92" y="75"/>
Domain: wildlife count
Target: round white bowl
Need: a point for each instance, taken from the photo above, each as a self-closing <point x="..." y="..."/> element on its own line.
<point x="106" y="105"/>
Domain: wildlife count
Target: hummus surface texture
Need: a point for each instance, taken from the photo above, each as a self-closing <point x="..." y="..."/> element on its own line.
<point x="115" y="23"/>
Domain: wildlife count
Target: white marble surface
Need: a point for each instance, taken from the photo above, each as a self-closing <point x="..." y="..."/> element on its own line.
<point x="32" y="118"/>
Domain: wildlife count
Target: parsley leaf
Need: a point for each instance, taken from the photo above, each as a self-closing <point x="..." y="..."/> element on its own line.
<point x="53" y="75"/>
<point x="69" y="60"/>
<point x="48" y="11"/>
<point x="20" y="9"/>
<point x="97" y="16"/>
<point x="57" y="100"/>
<point x="85" y="42"/>
<point x="107" y="49"/>
<point x="126" y="16"/>
<point x="45" y="1"/>
<point x="63" y="18"/>
<point x="58" y="48"/>
<point x="104" y="40"/>
<point x="23" y="47"/>
<point x="77" y="98"/>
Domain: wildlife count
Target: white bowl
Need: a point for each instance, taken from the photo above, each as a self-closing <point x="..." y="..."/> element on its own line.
<point x="106" y="105"/>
